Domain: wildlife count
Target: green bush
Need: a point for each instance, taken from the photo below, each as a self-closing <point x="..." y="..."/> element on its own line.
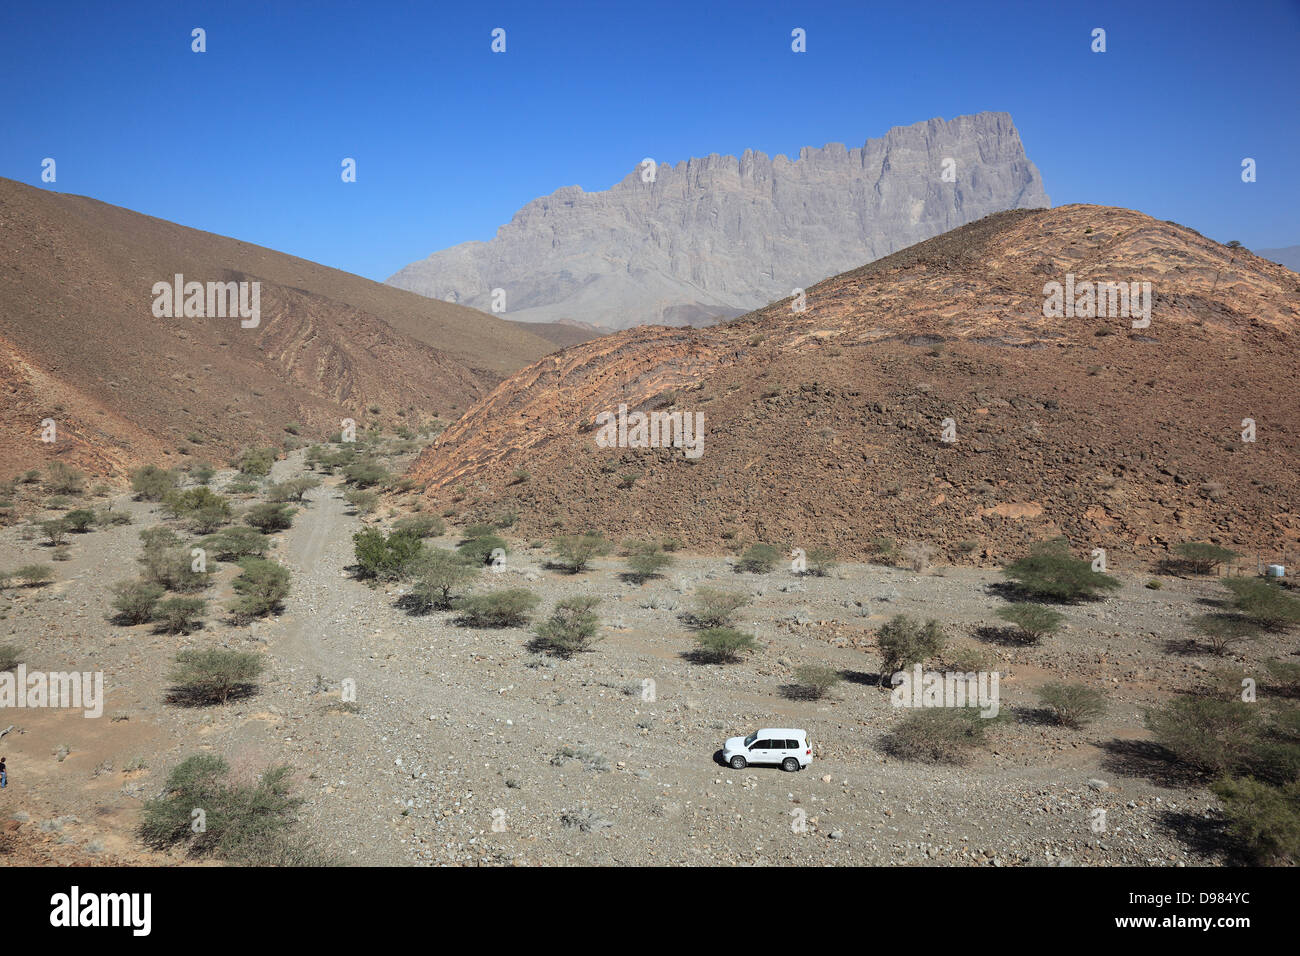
<point x="243" y="824"/>
<point x="1201" y="557"/>
<point x="179" y="615"/>
<point x="715" y="608"/>
<point x="1222" y="631"/>
<point x="56" y="529"/>
<point x="1206" y="734"/>
<point x="1033" y="621"/>
<point x="1263" y="819"/>
<point x="11" y="656"/>
<point x="109" y="518"/>
<point x="1263" y="603"/>
<point x="904" y="642"/>
<point x="1073" y="705"/>
<point x="167" y="563"/>
<point x="270" y="516"/>
<point x="203" y="473"/>
<point x="80" y="520"/>
<point x="939" y="735"/>
<point x="231" y="544"/>
<point x="647" y="563"/>
<point x="1050" y="573"/>
<point x="33" y="575"/>
<point x="261" y="588"/>
<point x="821" y="561"/>
<point x="421" y="526"/>
<point x="202" y="508"/>
<point x="759" y="559"/>
<point x="509" y="608"/>
<point x="478" y="549"/>
<point x="362" y="502"/>
<point x="436" y="576"/>
<point x="256" y="462"/>
<point x="814" y="681"/>
<point x="152" y="483"/>
<point x="723" y="645"/>
<point x="64" y="480"/>
<point x="293" y="489"/>
<point x="574" y="551"/>
<point x="571" y="629"/>
<point x="365" y="473"/>
<point x="213" y="676"/>
<point x="385" y="557"/>
<point x="135" y="600"/>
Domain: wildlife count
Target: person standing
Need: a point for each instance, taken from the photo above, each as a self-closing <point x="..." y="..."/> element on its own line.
<point x="4" y="776"/>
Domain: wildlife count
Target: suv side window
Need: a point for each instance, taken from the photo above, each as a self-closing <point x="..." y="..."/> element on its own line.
<point x="791" y="745"/>
<point x="762" y="745"/>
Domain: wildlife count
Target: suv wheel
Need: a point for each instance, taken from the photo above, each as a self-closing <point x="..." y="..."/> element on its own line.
<point x="738" y="763"/>
<point x="789" y="765"/>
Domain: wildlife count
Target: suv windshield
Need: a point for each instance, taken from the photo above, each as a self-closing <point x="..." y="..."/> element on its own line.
<point x="751" y="738"/>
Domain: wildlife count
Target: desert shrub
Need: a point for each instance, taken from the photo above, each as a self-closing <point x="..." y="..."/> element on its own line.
<point x="918" y="555"/>
<point x="646" y="562"/>
<point x="56" y="529"/>
<point x="436" y="576"/>
<point x="244" y="824"/>
<point x="1263" y="819"/>
<point x="385" y="557"/>
<point x="59" y="503"/>
<point x="966" y="659"/>
<point x="1222" y="631"/>
<point x="508" y="608"/>
<point x="1201" y="557"/>
<point x="571" y="629"/>
<point x="421" y="526"/>
<point x="821" y="561"/>
<point x="135" y="601"/>
<point x="759" y="559"/>
<point x="233" y="543"/>
<point x="270" y="516"/>
<point x="477" y="549"/>
<point x="63" y="479"/>
<point x="260" y="589"/>
<point x="671" y="544"/>
<point x="11" y="655"/>
<point x="292" y="489"/>
<point x="179" y="615"/>
<point x="904" y="642"/>
<point x="256" y="462"/>
<point x="723" y="645"/>
<point x="109" y="518"/>
<point x="33" y="575"/>
<point x="1033" y="621"/>
<point x="62" y="553"/>
<point x="213" y="676"/>
<point x="1073" y="705"/>
<point x="519" y="476"/>
<point x="79" y="520"/>
<point x="940" y="735"/>
<point x="1284" y="676"/>
<point x="573" y="551"/>
<point x="203" y="473"/>
<point x="815" y="681"/>
<point x="1051" y="573"/>
<point x="362" y="502"/>
<point x="715" y="608"/>
<point x="1263" y="603"/>
<point x="365" y="473"/>
<point x="165" y="562"/>
<point x="152" y="483"/>
<point x="1206" y="734"/>
<point x="202" y="508"/>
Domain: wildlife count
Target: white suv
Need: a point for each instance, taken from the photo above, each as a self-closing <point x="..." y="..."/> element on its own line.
<point x="788" y="748"/>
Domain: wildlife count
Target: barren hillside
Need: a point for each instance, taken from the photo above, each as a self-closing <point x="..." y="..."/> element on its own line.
<point x="826" y="426"/>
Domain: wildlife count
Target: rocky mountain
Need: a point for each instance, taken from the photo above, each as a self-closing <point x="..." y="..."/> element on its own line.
<point x="81" y="345"/>
<point x="714" y="237"/>
<point x="827" y="426"/>
<point x="1288" y="256"/>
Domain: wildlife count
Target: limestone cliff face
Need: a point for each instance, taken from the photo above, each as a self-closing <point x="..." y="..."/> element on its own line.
<point x="714" y="237"/>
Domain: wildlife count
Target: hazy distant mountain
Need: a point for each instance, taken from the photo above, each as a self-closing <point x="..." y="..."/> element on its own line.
<point x="1288" y="256"/>
<point x="712" y="238"/>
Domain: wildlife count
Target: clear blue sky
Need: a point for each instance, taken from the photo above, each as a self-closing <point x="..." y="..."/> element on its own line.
<point x="450" y="139"/>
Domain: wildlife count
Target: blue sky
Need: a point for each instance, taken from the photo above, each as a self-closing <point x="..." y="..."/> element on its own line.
<point x="450" y="139"/>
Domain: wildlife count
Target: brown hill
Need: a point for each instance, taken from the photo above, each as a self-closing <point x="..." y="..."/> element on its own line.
<point x="824" y="427"/>
<point x="79" y="343"/>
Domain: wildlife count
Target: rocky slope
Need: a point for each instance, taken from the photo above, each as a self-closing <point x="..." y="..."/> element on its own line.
<point x="826" y="426"/>
<point x="714" y="237"/>
<point x="79" y="342"/>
